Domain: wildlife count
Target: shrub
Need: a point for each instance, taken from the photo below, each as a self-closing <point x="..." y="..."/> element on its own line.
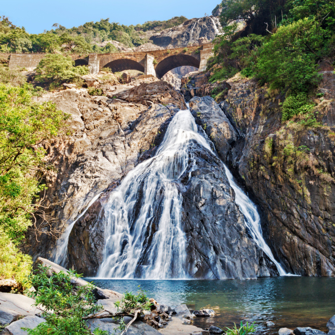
<point x="11" y="76"/>
<point x="296" y="105"/>
<point x="57" y="69"/>
<point x="13" y="264"/>
<point x="242" y="330"/>
<point x="289" y="59"/>
<point x="24" y="126"/>
<point x="95" y="91"/>
<point x="64" y="307"/>
<point x="131" y="302"/>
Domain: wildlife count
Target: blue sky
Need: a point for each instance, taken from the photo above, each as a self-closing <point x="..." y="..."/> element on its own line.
<point x="39" y="15"/>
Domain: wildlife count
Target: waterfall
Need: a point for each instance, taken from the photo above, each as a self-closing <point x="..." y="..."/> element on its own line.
<point x="143" y="231"/>
<point x="63" y="241"/>
<point x="150" y="192"/>
<point x="217" y="31"/>
<point x="252" y="220"/>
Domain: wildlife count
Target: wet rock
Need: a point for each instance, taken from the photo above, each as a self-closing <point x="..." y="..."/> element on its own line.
<point x="15" y="328"/>
<point x="110" y="138"/>
<point x="295" y="217"/>
<point x="182" y="310"/>
<point x="270" y="324"/>
<point x="218" y="127"/>
<point x="215" y="330"/>
<point x="15" y="306"/>
<point x="307" y="331"/>
<point x="196" y="85"/>
<point x="331" y="323"/>
<point x="201" y="314"/>
<point x="209" y="311"/>
<point x="285" y="331"/>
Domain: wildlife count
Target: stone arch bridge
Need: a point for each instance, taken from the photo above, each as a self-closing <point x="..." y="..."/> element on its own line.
<point x="156" y="63"/>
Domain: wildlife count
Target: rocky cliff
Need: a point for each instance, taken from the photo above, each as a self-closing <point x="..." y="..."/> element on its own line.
<point x="195" y="31"/>
<point x="109" y="137"/>
<point x="112" y="136"/>
<point x="287" y="168"/>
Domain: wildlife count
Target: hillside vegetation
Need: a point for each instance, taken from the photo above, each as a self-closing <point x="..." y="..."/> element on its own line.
<point x="83" y="39"/>
<point x="282" y="46"/>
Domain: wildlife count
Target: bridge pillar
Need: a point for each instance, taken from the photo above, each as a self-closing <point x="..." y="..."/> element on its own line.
<point x="94" y="63"/>
<point x="149" y="67"/>
<point x="205" y="54"/>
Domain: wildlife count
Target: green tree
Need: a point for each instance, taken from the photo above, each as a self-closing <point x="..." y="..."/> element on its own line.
<point x="24" y="126"/>
<point x="64" y="307"/>
<point x="288" y="60"/>
<point x="56" y="69"/>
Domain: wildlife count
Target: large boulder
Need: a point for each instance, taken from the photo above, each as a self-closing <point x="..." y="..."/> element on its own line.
<point x="15" y="306"/>
<point x="15" y="328"/>
<point x="307" y="331"/>
<point x="218" y="127"/>
<point x="331" y="323"/>
<point x="111" y="326"/>
<point x="102" y="294"/>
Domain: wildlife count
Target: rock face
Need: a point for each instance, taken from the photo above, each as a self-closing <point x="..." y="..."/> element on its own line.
<point x="216" y="240"/>
<point x="16" y="306"/>
<point x="288" y="169"/>
<point x="196" y="85"/>
<point x="15" y="328"/>
<point x="190" y="32"/>
<point x="109" y="137"/>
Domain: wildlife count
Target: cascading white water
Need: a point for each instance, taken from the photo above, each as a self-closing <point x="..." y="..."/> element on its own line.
<point x="217" y="31"/>
<point x="252" y="220"/>
<point x="155" y="180"/>
<point x="63" y="241"/>
<point x="148" y="205"/>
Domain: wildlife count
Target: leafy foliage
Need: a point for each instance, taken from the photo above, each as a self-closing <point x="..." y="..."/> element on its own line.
<point x="11" y="76"/>
<point x="56" y="69"/>
<point x="24" y="126"/>
<point x="242" y="330"/>
<point x="13" y="263"/>
<point x="64" y="306"/>
<point x="296" y="105"/>
<point x="284" y="52"/>
<point x="131" y="302"/>
<point x="288" y="60"/>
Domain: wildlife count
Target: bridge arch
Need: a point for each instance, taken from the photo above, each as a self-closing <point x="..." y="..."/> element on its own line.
<point x="81" y="61"/>
<point x="122" y="64"/>
<point x="171" y="62"/>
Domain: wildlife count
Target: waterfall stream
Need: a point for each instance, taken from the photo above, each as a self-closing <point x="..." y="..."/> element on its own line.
<point x="252" y="220"/>
<point x="148" y="203"/>
<point x="62" y="243"/>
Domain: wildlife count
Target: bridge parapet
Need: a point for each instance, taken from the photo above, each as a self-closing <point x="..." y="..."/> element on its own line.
<point x="155" y="63"/>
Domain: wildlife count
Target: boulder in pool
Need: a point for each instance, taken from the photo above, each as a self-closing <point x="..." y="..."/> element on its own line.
<point x="331" y="324"/>
<point x="307" y="331"/>
<point x="215" y="330"/>
<point x="285" y="331"/>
